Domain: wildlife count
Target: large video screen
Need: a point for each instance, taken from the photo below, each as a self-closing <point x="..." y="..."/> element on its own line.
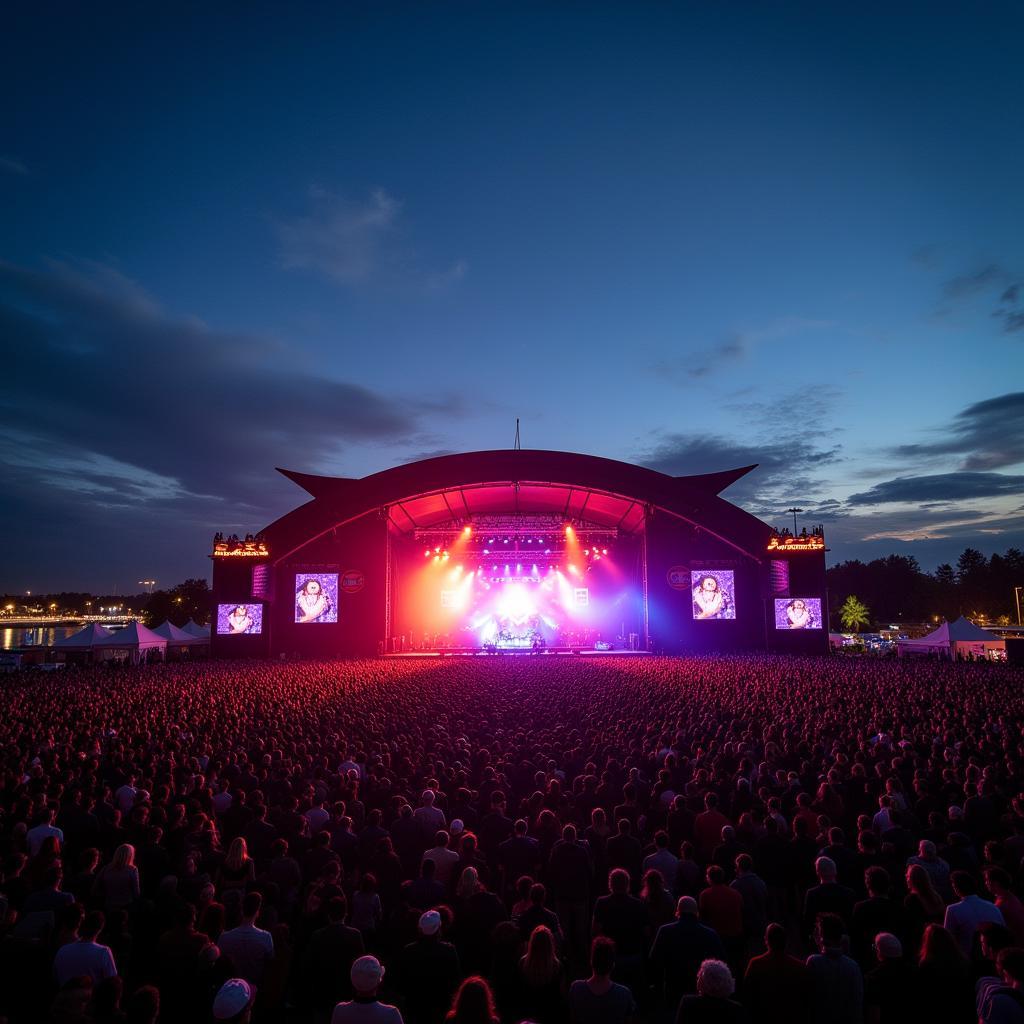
<point x="239" y="619"/>
<point x="798" y="613"/>
<point x="316" y="597"/>
<point x="714" y="593"/>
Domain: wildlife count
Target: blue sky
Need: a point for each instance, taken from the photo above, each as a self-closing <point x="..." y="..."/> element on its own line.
<point x="335" y="237"/>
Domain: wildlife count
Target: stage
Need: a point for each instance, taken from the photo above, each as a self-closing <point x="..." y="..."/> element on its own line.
<point x="517" y="652"/>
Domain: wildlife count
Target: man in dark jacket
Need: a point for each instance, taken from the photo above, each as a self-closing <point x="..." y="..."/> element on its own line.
<point x="679" y="949"/>
<point x="429" y="972"/>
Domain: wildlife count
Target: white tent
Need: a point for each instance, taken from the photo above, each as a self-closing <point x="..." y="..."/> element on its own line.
<point x="959" y="639"/>
<point x="138" y="640"/>
<point x="203" y="632"/>
<point x="93" y="635"/>
<point x="175" y="636"/>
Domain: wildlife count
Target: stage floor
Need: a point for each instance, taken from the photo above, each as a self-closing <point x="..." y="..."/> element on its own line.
<point x="548" y="652"/>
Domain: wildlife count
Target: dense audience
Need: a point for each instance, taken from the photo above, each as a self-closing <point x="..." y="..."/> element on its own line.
<point x="487" y="841"/>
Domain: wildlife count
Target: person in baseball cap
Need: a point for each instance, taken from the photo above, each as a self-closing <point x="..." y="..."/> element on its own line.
<point x="367" y="974"/>
<point x="233" y="1002"/>
<point x="430" y="923"/>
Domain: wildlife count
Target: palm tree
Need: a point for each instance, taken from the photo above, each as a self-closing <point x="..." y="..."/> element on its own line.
<point x="854" y="614"/>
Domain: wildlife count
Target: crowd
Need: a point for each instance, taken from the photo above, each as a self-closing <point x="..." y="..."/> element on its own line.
<point x="488" y="841"/>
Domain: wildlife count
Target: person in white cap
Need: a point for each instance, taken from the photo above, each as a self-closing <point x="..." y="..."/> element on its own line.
<point x="233" y="1001"/>
<point x="429" y="971"/>
<point x="365" y="1008"/>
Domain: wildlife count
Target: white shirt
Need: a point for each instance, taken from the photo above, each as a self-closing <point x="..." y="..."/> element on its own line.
<point x="444" y="860"/>
<point x="36" y="836"/>
<point x="963" y="918"/>
<point x="81" y="958"/>
<point x="317" y="818"/>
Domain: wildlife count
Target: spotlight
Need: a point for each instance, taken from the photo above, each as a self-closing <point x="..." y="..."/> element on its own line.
<point x="491" y="541"/>
<point x="519" y="568"/>
<point x="468" y="530"/>
<point x="536" y="571"/>
<point x="568" y="531"/>
<point x="587" y="552"/>
<point x="487" y="551"/>
<point x="604" y="551"/>
<point x="426" y="554"/>
<point x="506" y="540"/>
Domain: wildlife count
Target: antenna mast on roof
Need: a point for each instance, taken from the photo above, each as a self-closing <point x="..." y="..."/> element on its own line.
<point x="518" y="445"/>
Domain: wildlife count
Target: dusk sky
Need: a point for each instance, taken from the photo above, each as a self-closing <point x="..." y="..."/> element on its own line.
<point x="337" y="237"/>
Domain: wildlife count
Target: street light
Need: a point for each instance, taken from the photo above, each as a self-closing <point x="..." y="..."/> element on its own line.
<point x="794" y="511"/>
<point x="1016" y="594"/>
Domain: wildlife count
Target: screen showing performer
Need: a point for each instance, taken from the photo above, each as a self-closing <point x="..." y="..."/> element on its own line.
<point x="316" y="597"/>
<point x="714" y="593"/>
<point x="798" y="613"/>
<point x="239" y="619"/>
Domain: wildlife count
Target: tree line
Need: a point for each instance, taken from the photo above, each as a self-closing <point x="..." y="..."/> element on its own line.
<point x="896" y="589"/>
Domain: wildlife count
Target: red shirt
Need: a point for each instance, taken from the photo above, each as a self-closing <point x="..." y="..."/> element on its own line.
<point x="721" y="908"/>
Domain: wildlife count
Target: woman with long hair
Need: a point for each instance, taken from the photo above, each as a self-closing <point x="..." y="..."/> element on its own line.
<point x="238" y="869"/>
<point x="541" y="976"/>
<point x="945" y="983"/>
<point x="117" y="885"/>
<point x="658" y="901"/>
<point x="473" y="1003"/>
<point x="922" y="906"/>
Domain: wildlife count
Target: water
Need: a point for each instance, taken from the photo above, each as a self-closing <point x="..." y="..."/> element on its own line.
<point x="17" y="636"/>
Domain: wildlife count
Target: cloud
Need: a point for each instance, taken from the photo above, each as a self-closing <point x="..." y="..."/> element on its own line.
<point x="940" y="487"/>
<point x="785" y="471"/>
<point x="110" y="402"/>
<point x="988" y="435"/>
<point x="356" y="242"/>
<point x="1000" y="286"/>
<point x="13" y="166"/>
<point x="733" y="347"/>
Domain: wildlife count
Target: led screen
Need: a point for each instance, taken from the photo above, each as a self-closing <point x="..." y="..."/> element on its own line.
<point x="238" y="619"/>
<point x="798" y="613"/>
<point x="316" y="597"/>
<point x="714" y="593"/>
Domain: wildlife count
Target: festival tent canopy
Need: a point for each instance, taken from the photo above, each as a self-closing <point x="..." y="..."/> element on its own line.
<point x="138" y="637"/>
<point x="202" y="632"/>
<point x="175" y="636"/>
<point x="93" y="635"/>
<point x="953" y="638"/>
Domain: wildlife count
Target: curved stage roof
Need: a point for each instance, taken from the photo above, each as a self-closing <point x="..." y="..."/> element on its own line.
<point x="419" y="495"/>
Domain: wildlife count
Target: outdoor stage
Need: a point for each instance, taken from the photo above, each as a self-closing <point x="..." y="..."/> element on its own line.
<point x="529" y="552"/>
<point x="477" y="652"/>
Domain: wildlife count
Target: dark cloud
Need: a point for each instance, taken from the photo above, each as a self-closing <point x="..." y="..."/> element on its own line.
<point x="995" y="282"/>
<point x="110" y="404"/>
<point x="988" y="435"/>
<point x="785" y="471"/>
<point x="940" y="487"/>
<point x="732" y="348"/>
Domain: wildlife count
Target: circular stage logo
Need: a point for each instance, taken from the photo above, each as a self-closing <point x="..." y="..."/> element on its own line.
<point x="352" y="581"/>
<point x="678" y="577"/>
